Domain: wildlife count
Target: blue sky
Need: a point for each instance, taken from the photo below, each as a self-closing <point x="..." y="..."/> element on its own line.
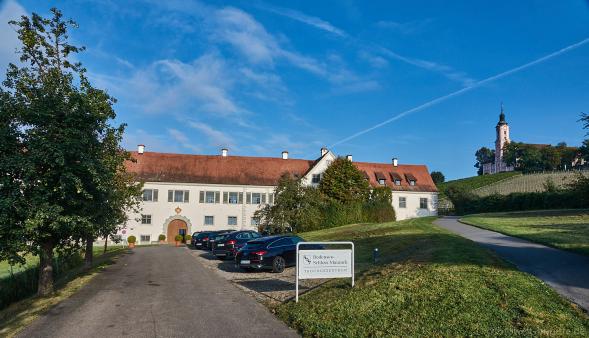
<point x="259" y="78"/>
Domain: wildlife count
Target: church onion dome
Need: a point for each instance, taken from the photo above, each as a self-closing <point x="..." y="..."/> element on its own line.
<point x="501" y="117"/>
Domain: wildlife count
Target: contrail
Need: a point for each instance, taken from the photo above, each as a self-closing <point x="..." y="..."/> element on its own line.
<point x="463" y="90"/>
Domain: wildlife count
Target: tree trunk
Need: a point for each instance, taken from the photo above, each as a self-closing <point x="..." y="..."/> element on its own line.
<point x="105" y="244"/>
<point x="88" y="254"/>
<point x="45" y="286"/>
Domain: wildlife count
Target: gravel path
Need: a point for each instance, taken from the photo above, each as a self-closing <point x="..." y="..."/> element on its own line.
<point x="267" y="287"/>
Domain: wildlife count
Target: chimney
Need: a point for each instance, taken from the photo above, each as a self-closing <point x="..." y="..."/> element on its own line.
<point x="349" y="158"/>
<point x="324" y="151"/>
<point x="224" y="152"/>
<point x="395" y="162"/>
<point x="285" y="155"/>
<point x="140" y="149"/>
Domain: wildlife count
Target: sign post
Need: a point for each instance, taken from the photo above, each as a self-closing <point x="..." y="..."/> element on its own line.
<point x="324" y="263"/>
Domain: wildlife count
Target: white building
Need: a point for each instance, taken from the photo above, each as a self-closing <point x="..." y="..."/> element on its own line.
<point x="188" y="193"/>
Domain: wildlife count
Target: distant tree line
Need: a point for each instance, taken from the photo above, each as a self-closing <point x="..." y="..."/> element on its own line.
<point x="343" y="196"/>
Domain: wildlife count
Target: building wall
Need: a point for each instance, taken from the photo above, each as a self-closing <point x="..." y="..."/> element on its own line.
<point x="412" y="209"/>
<point x="193" y="213"/>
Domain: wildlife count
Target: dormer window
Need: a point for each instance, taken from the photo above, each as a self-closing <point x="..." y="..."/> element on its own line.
<point x="396" y="179"/>
<point x="382" y="180"/>
<point x="411" y="179"/>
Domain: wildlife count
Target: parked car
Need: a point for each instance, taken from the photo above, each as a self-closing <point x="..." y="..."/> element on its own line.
<point x="273" y="252"/>
<point x="198" y="240"/>
<point x="227" y="245"/>
<point x="211" y="240"/>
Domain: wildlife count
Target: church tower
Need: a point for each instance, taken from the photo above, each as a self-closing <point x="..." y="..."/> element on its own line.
<point x="502" y="130"/>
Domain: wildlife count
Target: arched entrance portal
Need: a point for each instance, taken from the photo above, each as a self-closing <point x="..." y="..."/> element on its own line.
<point x="176" y="227"/>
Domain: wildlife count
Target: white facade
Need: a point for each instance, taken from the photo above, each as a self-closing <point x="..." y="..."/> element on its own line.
<point x="193" y="212"/>
<point x="412" y="207"/>
<point x="155" y="217"/>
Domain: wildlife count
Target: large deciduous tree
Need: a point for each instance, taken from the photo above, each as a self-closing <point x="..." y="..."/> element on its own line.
<point x="438" y="177"/>
<point x="62" y="167"/>
<point x="343" y="182"/>
<point x="483" y="155"/>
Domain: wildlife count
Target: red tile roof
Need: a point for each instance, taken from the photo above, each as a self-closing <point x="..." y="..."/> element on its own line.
<point x="246" y="170"/>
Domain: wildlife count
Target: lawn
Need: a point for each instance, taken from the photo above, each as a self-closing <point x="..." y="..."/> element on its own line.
<point x="32" y="261"/>
<point x="429" y="282"/>
<point x="563" y="229"/>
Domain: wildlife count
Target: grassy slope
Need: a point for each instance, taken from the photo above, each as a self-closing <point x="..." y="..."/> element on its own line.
<point x="429" y="283"/>
<point x="563" y="229"/>
<point x="32" y="261"/>
<point x="471" y="183"/>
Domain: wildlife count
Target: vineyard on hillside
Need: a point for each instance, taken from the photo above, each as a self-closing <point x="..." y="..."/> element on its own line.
<point x="476" y="182"/>
<point x="529" y="183"/>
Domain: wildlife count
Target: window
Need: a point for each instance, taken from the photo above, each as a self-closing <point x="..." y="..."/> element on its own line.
<point x="270" y="198"/>
<point x="232" y="220"/>
<point x="381" y="181"/>
<point x="244" y="235"/>
<point x="255" y="221"/>
<point x="423" y="203"/>
<point x="150" y="195"/>
<point x="397" y="182"/>
<point x="256" y="198"/>
<point x="145" y="219"/>
<point x="178" y="196"/>
<point x="412" y="182"/>
<point x="402" y="202"/>
<point x="209" y="197"/>
<point x="316" y="178"/>
<point x="233" y="198"/>
<point x="209" y="220"/>
<point x="281" y="242"/>
<point x="145" y="238"/>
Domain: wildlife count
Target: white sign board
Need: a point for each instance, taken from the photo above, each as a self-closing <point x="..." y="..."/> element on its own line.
<point x="325" y="264"/>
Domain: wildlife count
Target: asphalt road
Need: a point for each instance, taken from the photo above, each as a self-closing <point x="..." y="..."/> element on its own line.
<point x="565" y="272"/>
<point x="159" y="291"/>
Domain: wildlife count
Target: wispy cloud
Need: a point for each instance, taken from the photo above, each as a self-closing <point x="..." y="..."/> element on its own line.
<point x="406" y="28"/>
<point x="318" y="23"/>
<point x="464" y="90"/>
<point x="306" y="19"/>
<point x="216" y="137"/>
<point x="9" y="10"/>
<point x="183" y="140"/>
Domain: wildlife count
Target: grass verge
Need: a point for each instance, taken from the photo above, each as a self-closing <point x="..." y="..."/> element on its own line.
<point x="430" y="282"/>
<point x="561" y="229"/>
<point x="20" y="314"/>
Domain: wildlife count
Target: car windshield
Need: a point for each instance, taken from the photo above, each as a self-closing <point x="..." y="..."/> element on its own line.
<point x="201" y="235"/>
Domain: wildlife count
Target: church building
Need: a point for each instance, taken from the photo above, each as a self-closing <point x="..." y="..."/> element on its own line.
<point x="501" y="139"/>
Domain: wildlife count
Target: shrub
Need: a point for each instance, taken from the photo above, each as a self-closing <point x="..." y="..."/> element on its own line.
<point x="178" y="238"/>
<point x="162" y="237"/>
<point x="187" y="238"/>
<point x="131" y="239"/>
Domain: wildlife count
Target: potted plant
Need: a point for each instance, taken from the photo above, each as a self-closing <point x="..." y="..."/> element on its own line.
<point x="187" y="239"/>
<point x="178" y="239"/>
<point x="131" y="240"/>
<point x="162" y="238"/>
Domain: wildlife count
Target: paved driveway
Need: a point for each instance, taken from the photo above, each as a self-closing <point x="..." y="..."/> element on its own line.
<point x="159" y="291"/>
<point x="566" y="272"/>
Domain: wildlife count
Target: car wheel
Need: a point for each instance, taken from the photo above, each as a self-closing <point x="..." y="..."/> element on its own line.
<point x="278" y="264"/>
